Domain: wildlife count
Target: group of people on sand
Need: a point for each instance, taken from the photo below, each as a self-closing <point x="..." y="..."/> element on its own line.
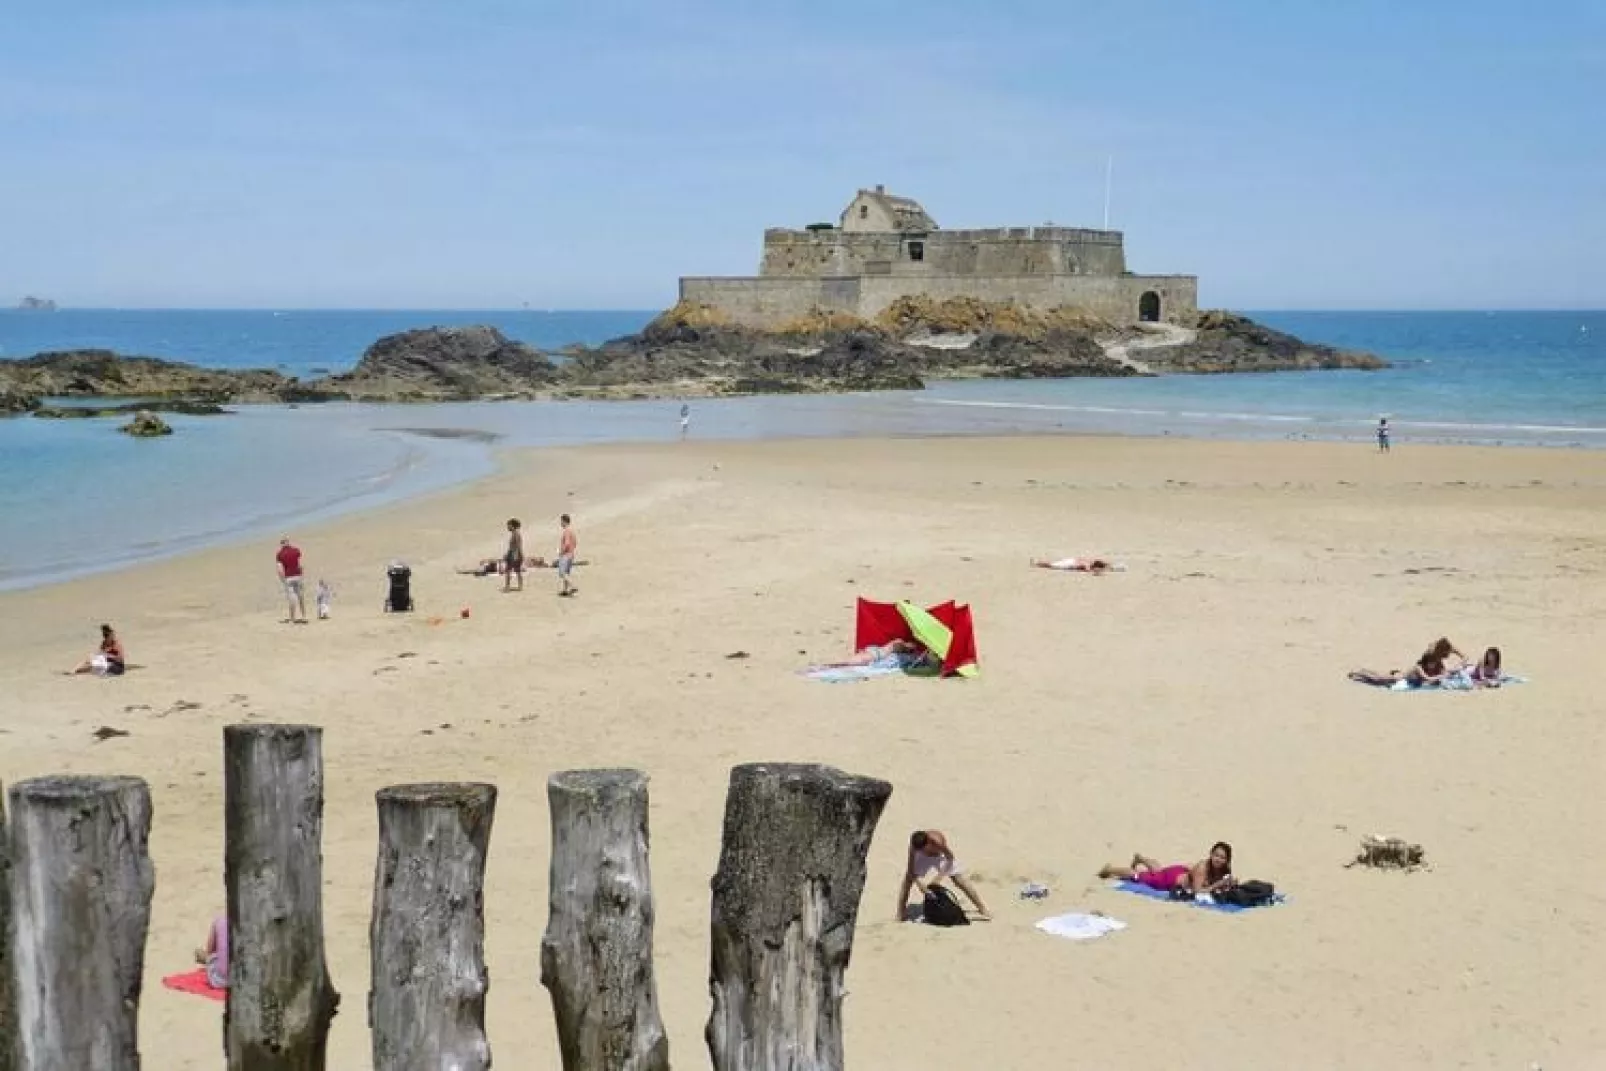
<point x="1441" y="664"/>
<point x="513" y="562"/>
<point x="930" y="862"/>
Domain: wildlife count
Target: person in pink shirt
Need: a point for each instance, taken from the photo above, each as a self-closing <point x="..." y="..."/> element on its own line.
<point x="289" y="561"/>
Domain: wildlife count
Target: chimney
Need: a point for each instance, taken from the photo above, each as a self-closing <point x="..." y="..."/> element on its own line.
<point x="880" y="188"/>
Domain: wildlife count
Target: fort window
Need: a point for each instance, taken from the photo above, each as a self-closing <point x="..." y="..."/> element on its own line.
<point x="1149" y="307"/>
<point x="917" y="250"/>
<point x="864" y="211"/>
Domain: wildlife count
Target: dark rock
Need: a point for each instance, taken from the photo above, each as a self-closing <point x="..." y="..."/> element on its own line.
<point x="445" y="363"/>
<point x="1227" y="342"/>
<point x="13" y="400"/>
<point x="83" y="412"/>
<point x="146" y="425"/>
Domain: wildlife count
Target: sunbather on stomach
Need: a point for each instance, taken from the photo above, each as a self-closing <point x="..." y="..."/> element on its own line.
<point x="1206" y="876"/>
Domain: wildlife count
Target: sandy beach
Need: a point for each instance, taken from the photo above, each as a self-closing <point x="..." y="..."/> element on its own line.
<point x="1200" y="695"/>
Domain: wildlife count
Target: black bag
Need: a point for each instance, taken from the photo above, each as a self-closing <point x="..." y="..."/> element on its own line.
<point x="941" y="908"/>
<point x="1246" y="894"/>
<point x="399" y="599"/>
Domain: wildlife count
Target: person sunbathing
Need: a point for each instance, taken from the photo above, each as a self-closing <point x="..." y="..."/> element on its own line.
<point x="1096" y="566"/>
<point x="899" y="654"/>
<point x="109" y="661"/>
<point x="1430" y="669"/>
<point x="498" y="566"/>
<point x="1206" y="876"/>
<point x="930" y="861"/>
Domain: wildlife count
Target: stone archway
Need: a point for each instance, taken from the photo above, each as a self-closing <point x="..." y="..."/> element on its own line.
<point x="1149" y="307"/>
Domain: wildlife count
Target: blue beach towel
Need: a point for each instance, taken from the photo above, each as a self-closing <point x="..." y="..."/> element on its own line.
<point x="1459" y="681"/>
<point x="1138" y="889"/>
<point x="844" y="674"/>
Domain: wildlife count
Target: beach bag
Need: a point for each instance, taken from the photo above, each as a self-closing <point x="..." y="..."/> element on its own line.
<point x="941" y="908"/>
<point x="1247" y="894"/>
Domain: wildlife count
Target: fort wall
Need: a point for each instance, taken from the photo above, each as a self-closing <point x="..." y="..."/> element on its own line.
<point x="758" y="301"/>
<point x="993" y="251"/>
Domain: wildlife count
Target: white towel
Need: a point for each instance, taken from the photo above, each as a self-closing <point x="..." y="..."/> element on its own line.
<point x="1079" y="927"/>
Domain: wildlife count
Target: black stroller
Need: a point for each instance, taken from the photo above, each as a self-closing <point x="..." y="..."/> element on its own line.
<point x="400" y="598"/>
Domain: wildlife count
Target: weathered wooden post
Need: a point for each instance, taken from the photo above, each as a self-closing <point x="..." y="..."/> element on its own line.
<point x="596" y="957"/>
<point x="280" y="997"/>
<point x="426" y="1007"/>
<point x="786" y="897"/>
<point x="8" y="1009"/>
<point x="80" y="889"/>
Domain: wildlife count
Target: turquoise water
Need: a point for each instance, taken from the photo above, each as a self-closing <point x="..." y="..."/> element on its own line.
<point x="75" y="496"/>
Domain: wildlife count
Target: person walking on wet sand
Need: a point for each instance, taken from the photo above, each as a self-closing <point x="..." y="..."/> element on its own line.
<point x="685" y="420"/>
<point x="295" y="595"/>
<point x="513" y="560"/>
<point x="568" y="543"/>
<point x="1383" y="435"/>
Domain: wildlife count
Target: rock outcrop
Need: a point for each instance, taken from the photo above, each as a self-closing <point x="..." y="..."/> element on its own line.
<point x="692" y="350"/>
<point x="1227" y="342"/>
<point x="445" y="364"/>
<point x="146" y="425"/>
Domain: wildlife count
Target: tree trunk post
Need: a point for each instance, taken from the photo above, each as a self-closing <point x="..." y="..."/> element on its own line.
<point x="596" y="956"/>
<point x="8" y="1007"/>
<point x="785" y="900"/>
<point x="280" y="998"/>
<point x="80" y="895"/>
<point x="426" y="1007"/>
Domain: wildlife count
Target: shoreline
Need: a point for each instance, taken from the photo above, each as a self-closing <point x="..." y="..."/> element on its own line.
<point x="448" y="458"/>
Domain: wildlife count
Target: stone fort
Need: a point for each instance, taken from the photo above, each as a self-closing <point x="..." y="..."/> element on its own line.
<point x="885" y="247"/>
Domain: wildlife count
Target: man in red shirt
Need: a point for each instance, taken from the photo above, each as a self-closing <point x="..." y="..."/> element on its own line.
<point x="289" y="559"/>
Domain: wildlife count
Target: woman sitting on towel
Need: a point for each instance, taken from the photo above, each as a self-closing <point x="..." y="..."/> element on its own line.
<point x="109" y="661"/>
<point x="930" y="861"/>
<point x="1431" y="668"/>
<point x="1206" y="876"/>
<point x="1487" y="673"/>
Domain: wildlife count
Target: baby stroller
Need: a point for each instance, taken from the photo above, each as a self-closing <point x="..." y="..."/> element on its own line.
<point x="400" y="598"/>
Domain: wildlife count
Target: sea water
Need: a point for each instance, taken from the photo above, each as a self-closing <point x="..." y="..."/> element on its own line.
<point x="76" y="497"/>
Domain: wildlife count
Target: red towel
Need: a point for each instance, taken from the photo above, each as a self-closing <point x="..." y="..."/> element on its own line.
<point x="195" y="982"/>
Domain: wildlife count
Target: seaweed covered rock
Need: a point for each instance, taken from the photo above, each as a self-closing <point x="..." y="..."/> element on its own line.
<point x="146" y="425"/>
<point x="1228" y="342"/>
<point x="445" y="364"/>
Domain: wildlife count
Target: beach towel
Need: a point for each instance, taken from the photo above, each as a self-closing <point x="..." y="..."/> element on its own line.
<point x="1079" y="927"/>
<point x="195" y="982"/>
<point x="845" y="674"/>
<point x="1209" y="905"/>
<point x="1459" y="681"/>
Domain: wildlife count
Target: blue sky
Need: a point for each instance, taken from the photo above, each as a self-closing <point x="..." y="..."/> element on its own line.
<point x="1293" y="154"/>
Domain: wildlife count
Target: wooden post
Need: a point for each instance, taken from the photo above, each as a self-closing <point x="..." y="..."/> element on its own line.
<point x="80" y="889"/>
<point x="596" y="957"/>
<point x="426" y="1007"/>
<point x="8" y="1007"/>
<point x="786" y="896"/>
<point x="280" y="997"/>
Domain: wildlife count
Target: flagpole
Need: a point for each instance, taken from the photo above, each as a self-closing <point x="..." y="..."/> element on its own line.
<point x="1109" y="168"/>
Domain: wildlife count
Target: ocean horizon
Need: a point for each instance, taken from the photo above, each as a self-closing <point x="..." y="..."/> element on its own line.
<point x="75" y="497"/>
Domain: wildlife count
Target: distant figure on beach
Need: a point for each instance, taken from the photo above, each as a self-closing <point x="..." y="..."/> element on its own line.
<point x="109" y="660"/>
<point x="1096" y="566"/>
<point x="899" y="654"/>
<point x="295" y="596"/>
<point x="1206" y="876"/>
<point x="513" y="558"/>
<point x="1383" y="435"/>
<point x="685" y="420"/>
<point x="326" y="595"/>
<point x="930" y="861"/>
<point x="1487" y="673"/>
<point x="215" y="954"/>
<point x="498" y="566"/>
<point x="568" y="543"/>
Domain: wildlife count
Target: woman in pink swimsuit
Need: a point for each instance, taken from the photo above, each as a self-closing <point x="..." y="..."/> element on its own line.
<point x="1205" y="876"/>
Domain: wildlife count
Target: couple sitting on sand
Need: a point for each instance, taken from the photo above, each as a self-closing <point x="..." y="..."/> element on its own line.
<point x="1435" y="669"/>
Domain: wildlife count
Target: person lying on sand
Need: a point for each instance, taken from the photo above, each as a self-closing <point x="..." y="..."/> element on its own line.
<point x="1206" y="876"/>
<point x="1096" y="566"/>
<point x="1430" y="669"/>
<point x="930" y="862"/>
<point x="109" y="661"/>
<point x="899" y="654"/>
<point x="496" y="566"/>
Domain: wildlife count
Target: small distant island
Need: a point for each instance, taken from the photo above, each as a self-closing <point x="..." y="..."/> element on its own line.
<point x="36" y="304"/>
<point x="881" y="301"/>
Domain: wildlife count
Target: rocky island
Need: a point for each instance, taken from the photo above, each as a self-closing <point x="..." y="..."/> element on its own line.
<point x="696" y="351"/>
